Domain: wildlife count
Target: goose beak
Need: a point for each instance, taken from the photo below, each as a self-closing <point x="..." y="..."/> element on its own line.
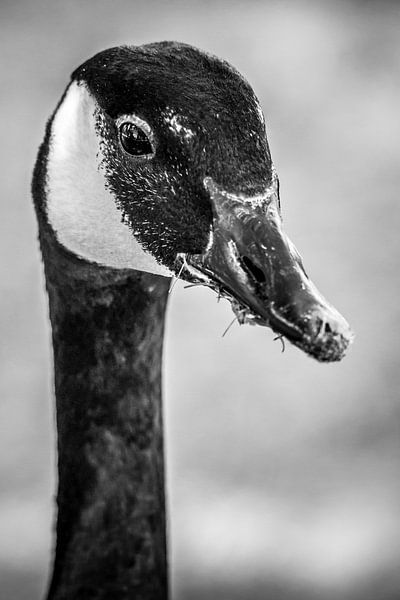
<point x="251" y="261"/>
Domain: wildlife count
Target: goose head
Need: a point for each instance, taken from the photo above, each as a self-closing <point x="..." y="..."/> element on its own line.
<point x="157" y="160"/>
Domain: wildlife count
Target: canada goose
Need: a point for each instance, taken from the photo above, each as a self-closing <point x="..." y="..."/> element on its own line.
<point x="155" y="163"/>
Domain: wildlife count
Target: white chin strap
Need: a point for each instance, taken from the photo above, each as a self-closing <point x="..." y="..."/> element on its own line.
<point x="81" y="210"/>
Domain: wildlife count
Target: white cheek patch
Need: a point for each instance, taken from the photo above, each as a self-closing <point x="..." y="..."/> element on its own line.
<point x="80" y="208"/>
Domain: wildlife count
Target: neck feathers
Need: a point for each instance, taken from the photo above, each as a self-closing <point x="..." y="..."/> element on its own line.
<point x="107" y="340"/>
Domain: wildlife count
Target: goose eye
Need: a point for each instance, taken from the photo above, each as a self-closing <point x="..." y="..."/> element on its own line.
<point x="134" y="140"/>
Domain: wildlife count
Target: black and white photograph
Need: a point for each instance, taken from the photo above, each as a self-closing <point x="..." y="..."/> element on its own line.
<point x="199" y="292"/>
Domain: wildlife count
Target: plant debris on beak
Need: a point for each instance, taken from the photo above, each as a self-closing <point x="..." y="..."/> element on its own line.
<point x="251" y="262"/>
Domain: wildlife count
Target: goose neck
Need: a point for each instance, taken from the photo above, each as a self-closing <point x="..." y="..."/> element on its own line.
<point x="107" y="336"/>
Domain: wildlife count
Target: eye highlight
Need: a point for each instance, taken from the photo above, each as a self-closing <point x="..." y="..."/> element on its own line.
<point x="136" y="137"/>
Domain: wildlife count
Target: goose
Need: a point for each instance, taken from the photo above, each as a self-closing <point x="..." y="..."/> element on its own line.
<point x="155" y="164"/>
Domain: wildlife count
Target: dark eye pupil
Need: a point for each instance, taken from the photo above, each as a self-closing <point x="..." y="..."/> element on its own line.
<point x="134" y="140"/>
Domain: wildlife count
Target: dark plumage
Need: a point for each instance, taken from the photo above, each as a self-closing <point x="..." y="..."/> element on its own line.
<point x="107" y="339"/>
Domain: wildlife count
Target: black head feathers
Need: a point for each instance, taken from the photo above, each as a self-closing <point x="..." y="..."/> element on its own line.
<point x="206" y="122"/>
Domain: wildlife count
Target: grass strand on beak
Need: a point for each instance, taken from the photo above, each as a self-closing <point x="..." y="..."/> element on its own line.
<point x="191" y="285"/>
<point x="282" y="340"/>
<point x="229" y="326"/>
<point x="175" y="278"/>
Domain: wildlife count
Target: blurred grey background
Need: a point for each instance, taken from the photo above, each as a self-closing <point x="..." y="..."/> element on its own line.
<point x="283" y="473"/>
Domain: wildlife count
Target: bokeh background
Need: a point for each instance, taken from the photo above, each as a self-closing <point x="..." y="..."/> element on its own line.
<point x="283" y="473"/>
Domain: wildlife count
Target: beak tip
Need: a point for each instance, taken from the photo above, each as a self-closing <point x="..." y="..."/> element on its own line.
<point x="331" y="342"/>
<point x="321" y="332"/>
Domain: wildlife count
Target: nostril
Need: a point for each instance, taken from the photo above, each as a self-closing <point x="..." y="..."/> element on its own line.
<point x="322" y="328"/>
<point x="251" y="269"/>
